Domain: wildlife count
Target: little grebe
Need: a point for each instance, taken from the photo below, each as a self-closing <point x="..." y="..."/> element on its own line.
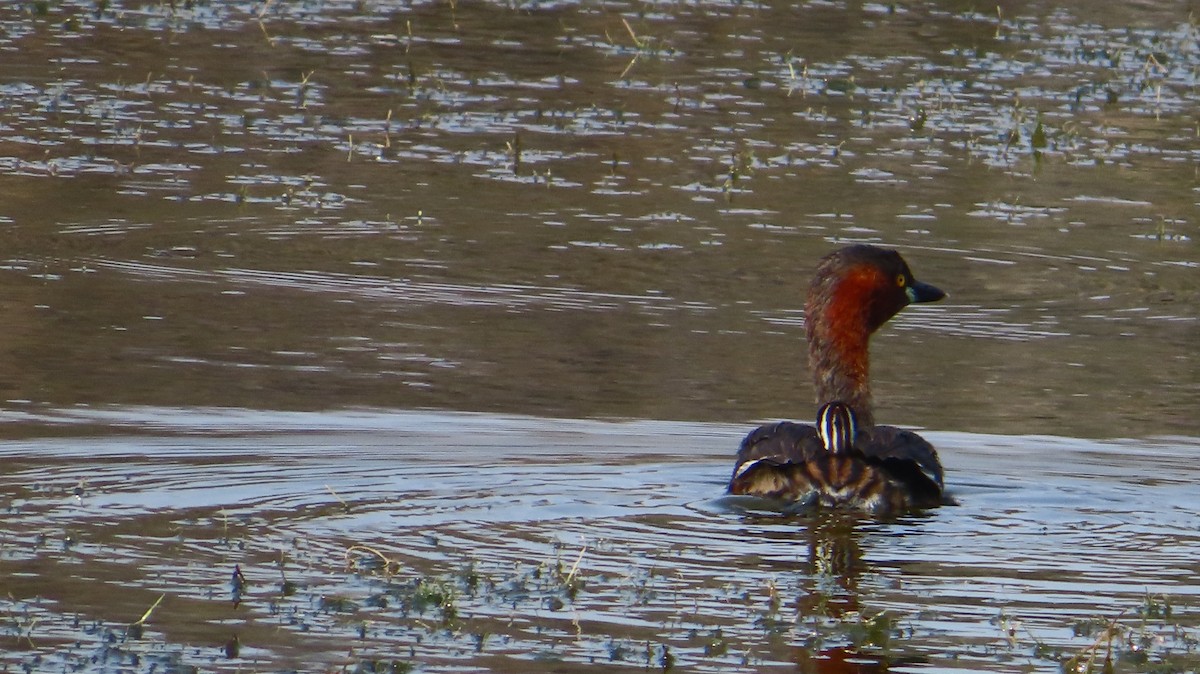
<point x="846" y="460"/>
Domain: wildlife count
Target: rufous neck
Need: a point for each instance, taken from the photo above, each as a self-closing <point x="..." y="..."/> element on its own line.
<point x="839" y="357"/>
<point x="841" y="371"/>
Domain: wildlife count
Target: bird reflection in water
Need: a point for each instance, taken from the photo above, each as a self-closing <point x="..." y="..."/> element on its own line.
<point x="844" y="637"/>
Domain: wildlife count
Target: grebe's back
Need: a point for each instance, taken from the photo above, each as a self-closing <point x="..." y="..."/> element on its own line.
<point x="882" y="470"/>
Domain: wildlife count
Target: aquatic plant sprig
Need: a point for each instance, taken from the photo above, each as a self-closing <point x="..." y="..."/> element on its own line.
<point x="1077" y="663"/>
<point x="390" y="567"/>
<point x="643" y="45"/>
<point x="136" y="627"/>
<point x="1163" y="640"/>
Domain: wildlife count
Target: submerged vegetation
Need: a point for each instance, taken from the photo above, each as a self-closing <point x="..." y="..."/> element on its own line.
<point x="395" y="620"/>
<point x="391" y="617"/>
<point x="1005" y="89"/>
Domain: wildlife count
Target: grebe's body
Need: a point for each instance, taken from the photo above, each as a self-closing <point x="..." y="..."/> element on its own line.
<point x="882" y="470"/>
<point x="846" y="460"/>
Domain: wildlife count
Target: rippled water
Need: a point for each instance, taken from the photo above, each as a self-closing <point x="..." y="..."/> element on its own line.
<point x="383" y="335"/>
<point x="521" y="209"/>
<point x="568" y="543"/>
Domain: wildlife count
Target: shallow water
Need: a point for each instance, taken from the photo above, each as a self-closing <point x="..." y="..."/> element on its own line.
<point x="1051" y="538"/>
<point x="576" y="210"/>
<point x="404" y="310"/>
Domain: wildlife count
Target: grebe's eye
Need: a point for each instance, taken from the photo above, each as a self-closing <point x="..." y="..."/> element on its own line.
<point x="900" y="280"/>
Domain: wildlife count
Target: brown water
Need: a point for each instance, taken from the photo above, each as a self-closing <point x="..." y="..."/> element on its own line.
<point x="493" y="290"/>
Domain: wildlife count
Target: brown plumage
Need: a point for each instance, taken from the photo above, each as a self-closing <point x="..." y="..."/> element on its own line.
<point x="880" y="469"/>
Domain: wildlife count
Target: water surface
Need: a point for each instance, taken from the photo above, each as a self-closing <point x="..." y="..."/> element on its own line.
<point x="441" y="540"/>
<point x="578" y="210"/>
<point x="439" y="323"/>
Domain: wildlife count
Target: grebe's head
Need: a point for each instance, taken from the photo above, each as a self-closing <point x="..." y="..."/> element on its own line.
<point x="837" y="427"/>
<point x="855" y="290"/>
<point x="866" y="283"/>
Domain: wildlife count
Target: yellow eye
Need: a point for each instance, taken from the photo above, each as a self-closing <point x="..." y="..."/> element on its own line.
<point x="900" y="280"/>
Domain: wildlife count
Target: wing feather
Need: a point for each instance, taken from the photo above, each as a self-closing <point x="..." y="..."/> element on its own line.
<point x="907" y="456"/>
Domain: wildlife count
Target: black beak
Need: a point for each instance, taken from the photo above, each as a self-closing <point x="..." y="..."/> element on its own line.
<point x="923" y="292"/>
